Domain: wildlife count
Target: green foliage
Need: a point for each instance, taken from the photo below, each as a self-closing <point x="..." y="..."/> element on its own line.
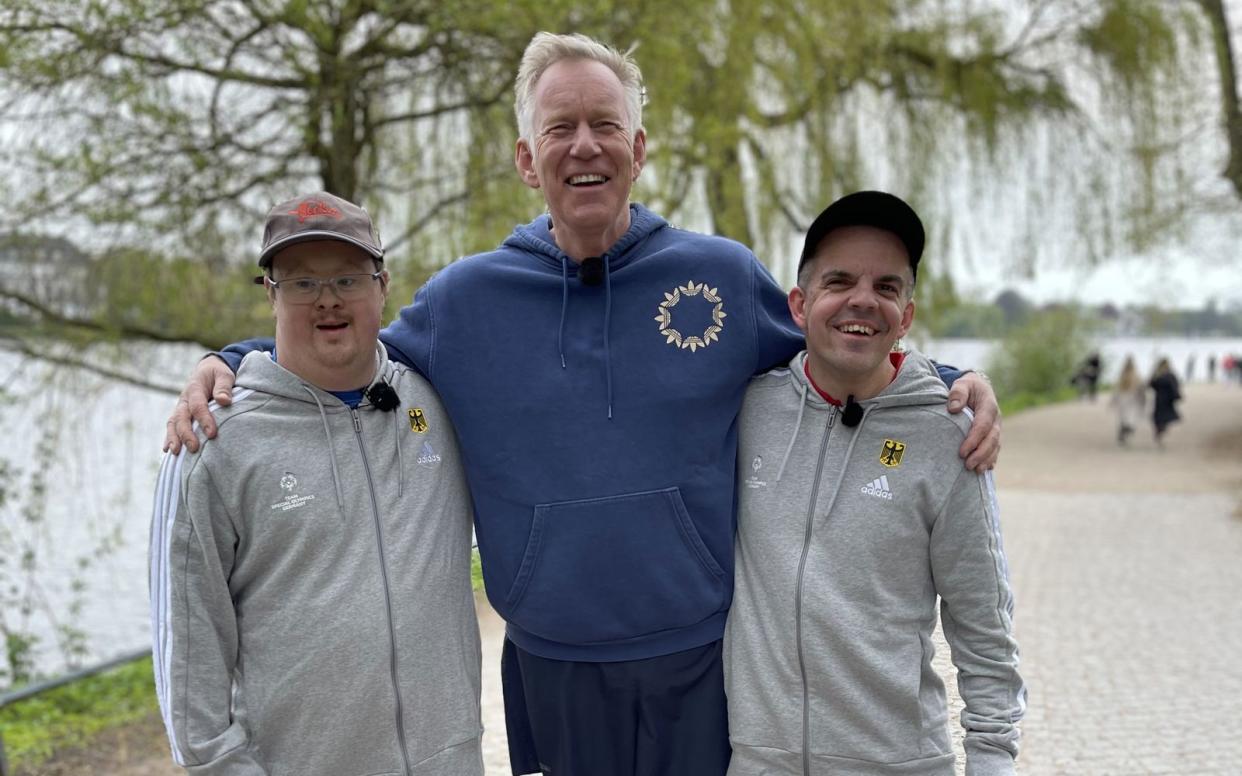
<point x="476" y="571"/>
<point x="1011" y="405"/>
<point x="209" y="301"/>
<point x="1036" y="360"/>
<point x="70" y="715"/>
<point x="1135" y="39"/>
<point x="190" y="119"/>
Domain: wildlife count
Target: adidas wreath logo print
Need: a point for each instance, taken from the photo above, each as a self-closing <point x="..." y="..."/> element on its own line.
<point x="878" y="488"/>
<point x="673" y="335"/>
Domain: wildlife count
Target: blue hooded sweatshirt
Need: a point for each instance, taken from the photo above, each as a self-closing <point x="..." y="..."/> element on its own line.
<point x="598" y="427"/>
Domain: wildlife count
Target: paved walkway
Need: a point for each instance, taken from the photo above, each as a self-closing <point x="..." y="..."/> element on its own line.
<point x="1127" y="568"/>
<point x="1127" y="565"/>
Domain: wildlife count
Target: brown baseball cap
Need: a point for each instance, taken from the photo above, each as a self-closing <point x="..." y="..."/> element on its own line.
<point x="318" y="216"/>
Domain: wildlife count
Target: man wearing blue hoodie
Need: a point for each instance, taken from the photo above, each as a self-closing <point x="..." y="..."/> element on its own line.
<point x="594" y="365"/>
<point x="856" y="517"/>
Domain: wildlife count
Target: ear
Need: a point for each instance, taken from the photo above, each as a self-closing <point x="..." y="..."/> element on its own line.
<point x="384" y="283"/>
<point x="640" y="152"/>
<point x="907" y="318"/>
<point x="524" y="160"/>
<point x="797" y="307"/>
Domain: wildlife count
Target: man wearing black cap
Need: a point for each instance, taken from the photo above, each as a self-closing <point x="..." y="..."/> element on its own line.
<point x="311" y="605"/>
<point x="855" y="515"/>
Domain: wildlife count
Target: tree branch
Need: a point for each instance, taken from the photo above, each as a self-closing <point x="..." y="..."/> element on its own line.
<point x="18" y="345"/>
<point x="122" y="329"/>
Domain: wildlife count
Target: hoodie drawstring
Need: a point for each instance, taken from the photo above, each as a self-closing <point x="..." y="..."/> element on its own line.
<point x="327" y="430"/>
<point x="849" y="454"/>
<point x="607" y="332"/>
<point x="794" y="436"/>
<point x="560" y="335"/>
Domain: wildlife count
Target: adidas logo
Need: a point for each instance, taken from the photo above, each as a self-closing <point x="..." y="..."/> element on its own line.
<point x="878" y="488"/>
<point x="428" y="456"/>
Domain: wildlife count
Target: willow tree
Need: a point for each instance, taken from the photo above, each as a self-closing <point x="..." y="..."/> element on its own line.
<point x="182" y="119"/>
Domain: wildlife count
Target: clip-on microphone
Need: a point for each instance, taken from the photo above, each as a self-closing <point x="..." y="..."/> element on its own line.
<point x="591" y="271"/>
<point x="383" y="396"/>
<point x="852" y="414"/>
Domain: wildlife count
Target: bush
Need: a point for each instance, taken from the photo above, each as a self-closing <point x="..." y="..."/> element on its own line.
<point x="1037" y="359"/>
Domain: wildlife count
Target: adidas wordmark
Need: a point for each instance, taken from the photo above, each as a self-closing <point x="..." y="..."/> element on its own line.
<point x="878" y="488"/>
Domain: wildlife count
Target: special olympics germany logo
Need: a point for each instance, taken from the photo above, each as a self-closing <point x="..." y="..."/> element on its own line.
<point x="672" y="335"/>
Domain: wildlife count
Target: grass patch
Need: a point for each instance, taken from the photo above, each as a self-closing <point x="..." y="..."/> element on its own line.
<point x="69" y="716"/>
<point x="1025" y="400"/>
<point x="476" y="570"/>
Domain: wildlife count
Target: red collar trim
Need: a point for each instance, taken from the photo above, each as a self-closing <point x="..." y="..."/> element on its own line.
<point x="896" y="359"/>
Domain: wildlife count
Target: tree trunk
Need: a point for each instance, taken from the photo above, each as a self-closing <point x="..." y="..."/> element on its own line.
<point x="1215" y="11"/>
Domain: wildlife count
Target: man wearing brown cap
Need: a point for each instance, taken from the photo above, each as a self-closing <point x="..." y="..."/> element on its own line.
<point x="311" y="602"/>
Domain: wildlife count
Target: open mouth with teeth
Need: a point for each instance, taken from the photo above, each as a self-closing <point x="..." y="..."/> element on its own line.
<point x="857" y="329"/>
<point x="592" y="179"/>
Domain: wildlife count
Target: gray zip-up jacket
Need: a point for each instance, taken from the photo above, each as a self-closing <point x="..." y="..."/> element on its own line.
<point x="312" y="613"/>
<point x="846" y="537"/>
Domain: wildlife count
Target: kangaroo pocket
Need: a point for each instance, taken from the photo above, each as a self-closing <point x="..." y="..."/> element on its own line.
<point x="608" y="569"/>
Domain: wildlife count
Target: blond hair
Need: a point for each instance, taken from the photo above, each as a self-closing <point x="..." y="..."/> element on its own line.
<point x="546" y="49"/>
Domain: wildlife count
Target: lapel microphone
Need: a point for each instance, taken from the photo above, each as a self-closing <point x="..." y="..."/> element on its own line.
<point x="384" y="397"/>
<point x="591" y="271"/>
<point x="852" y="414"/>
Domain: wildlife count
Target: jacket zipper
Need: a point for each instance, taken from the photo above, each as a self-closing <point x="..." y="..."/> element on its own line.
<point x="806" y="549"/>
<point x="392" y="636"/>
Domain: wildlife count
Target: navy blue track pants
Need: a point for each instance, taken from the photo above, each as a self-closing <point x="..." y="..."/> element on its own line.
<point x="663" y="716"/>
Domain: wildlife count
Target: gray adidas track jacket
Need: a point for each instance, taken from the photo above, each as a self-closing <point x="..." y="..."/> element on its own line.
<point x="310" y="587"/>
<point x="846" y="538"/>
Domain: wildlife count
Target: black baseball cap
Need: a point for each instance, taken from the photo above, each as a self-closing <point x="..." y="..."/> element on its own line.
<point x="878" y="209"/>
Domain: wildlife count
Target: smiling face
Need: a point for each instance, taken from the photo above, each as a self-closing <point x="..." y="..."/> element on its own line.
<point x="853" y="302"/>
<point x="331" y="342"/>
<point x="584" y="155"/>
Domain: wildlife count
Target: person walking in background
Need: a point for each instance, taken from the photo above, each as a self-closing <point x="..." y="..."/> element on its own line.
<point x="1087" y="377"/>
<point x="1129" y="398"/>
<point x="1168" y="393"/>
<point x="1211" y="368"/>
<point x="1190" y="368"/>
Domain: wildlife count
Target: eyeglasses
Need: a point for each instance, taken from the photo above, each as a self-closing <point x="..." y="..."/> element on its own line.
<point x="307" y="290"/>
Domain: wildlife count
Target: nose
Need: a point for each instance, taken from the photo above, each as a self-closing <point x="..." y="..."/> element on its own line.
<point x="585" y="144"/>
<point x="328" y="297"/>
<point x="863" y="297"/>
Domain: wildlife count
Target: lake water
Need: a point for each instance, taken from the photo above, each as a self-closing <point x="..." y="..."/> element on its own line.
<point x="101" y="451"/>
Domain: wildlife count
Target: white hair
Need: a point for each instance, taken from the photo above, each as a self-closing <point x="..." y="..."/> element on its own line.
<point x="546" y="49"/>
